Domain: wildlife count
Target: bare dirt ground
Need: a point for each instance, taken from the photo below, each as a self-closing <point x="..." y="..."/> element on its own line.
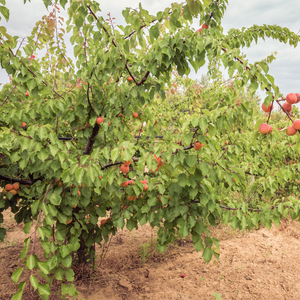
<point x="260" y="264"/>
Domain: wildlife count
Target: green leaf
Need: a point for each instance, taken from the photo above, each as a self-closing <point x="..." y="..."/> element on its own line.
<point x="44" y="267"/>
<point x="34" y="282"/>
<point x="69" y="273"/>
<point x="198" y="245"/>
<point x="55" y="199"/>
<point x="44" y="289"/>
<point x="64" y="251"/>
<point x="207" y="254"/>
<point x="31" y="262"/>
<point x="27" y="227"/>
<point x="4" y="12"/>
<point x="79" y="175"/>
<point x="18" y="295"/>
<point x="16" y="274"/>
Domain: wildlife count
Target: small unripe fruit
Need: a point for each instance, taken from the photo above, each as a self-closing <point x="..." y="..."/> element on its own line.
<point x="182" y="275"/>
<point x="287" y="106"/>
<point x="264" y="128"/>
<point x="16" y="186"/>
<point x="291" y="130"/>
<point x="135" y="115"/>
<point x="270" y="107"/>
<point x="291" y="98"/>
<point x="296" y="124"/>
<point x="9" y="187"/>
<point x="124" y="169"/>
<point x="100" y="120"/>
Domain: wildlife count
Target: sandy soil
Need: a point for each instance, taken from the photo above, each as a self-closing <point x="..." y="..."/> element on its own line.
<point x="260" y="264"/>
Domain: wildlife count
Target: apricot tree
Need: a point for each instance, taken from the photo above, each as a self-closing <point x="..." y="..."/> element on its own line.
<point x="86" y="138"/>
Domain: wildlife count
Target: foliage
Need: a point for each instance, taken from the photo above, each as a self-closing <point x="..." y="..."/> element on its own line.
<point x="68" y="163"/>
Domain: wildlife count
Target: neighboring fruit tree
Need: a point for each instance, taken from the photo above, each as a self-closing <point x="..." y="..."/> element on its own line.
<point x="118" y="132"/>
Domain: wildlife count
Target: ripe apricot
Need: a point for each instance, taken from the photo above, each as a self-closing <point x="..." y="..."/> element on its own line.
<point x="127" y="163"/>
<point x="129" y="78"/>
<point x="16" y="186"/>
<point x="145" y="188"/>
<point x="124" y="169"/>
<point x="291" y="130"/>
<point x="135" y="115"/>
<point x="14" y="192"/>
<point x="68" y="222"/>
<point x="297" y="124"/>
<point x="124" y="184"/>
<point x="100" y="120"/>
<point x="264" y="128"/>
<point x="9" y="187"/>
<point x="287" y="106"/>
<point x="265" y="109"/>
<point x="198" y="146"/>
<point x="205" y="26"/>
<point x="23" y="124"/>
<point x="291" y="98"/>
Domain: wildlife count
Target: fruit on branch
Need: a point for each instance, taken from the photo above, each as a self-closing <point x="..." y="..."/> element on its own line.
<point x="287" y="106"/>
<point x="16" y="186"/>
<point x="130" y="198"/>
<point x="296" y="124"/>
<point x="198" y="146"/>
<point x="124" y="184"/>
<point x="27" y="94"/>
<point x="205" y="26"/>
<point x="129" y="78"/>
<point x="199" y="30"/>
<point x="135" y="115"/>
<point x="124" y="169"/>
<point x="14" y="192"/>
<point x="145" y="188"/>
<point x="109" y="123"/>
<point x="270" y="130"/>
<point x="23" y="124"/>
<point x="100" y="120"/>
<point x="155" y="122"/>
<point x="298" y="97"/>
<point x="291" y="130"/>
<point x="68" y="222"/>
<point x="9" y="187"/>
<point x="291" y="98"/>
<point x="127" y="163"/>
<point x="265" y="128"/>
<point x="265" y="109"/>
<point x="144" y="181"/>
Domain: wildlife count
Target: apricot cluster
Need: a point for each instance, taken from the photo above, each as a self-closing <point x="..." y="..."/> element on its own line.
<point x="125" y="167"/>
<point x="12" y="188"/>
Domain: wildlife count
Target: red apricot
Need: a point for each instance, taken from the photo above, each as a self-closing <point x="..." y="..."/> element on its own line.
<point x="291" y="98"/>
<point x="264" y="108"/>
<point x="298" y="97"/>
<point x="205" y="26"/>
<point x="287" y="106"/>
<point x="124" y="169"/>
<point x="296" y="124"/>
<point x="16" y="186"/>
<point x="100" y="120"/>
<point x="291" y="130"/>
<point x="198" y="146"/>
<point x="9" y="187"/>
<point x="264" y="128"/>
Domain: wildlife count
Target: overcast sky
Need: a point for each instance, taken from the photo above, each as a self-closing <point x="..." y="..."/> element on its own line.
<point x="285" y="69"/>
